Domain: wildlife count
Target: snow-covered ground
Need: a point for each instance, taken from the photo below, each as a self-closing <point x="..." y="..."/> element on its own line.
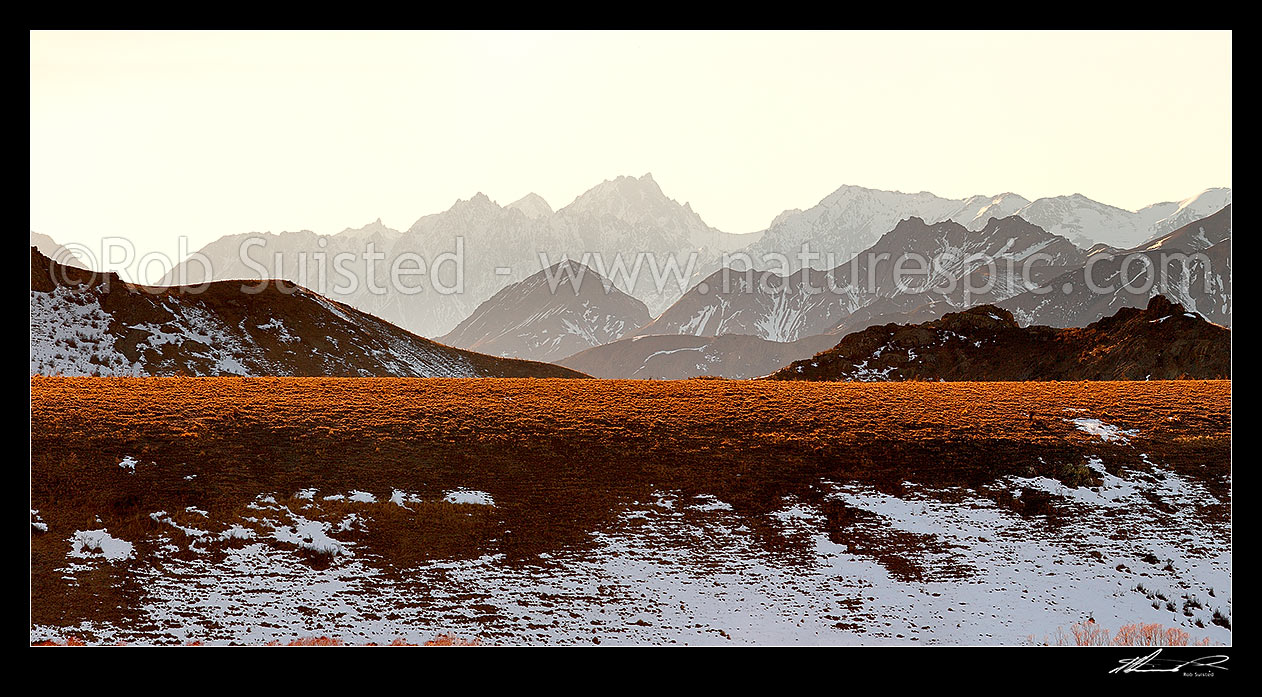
<point x="926" y="566"/>
<point x="88" y="544"/>
<point x="70" y="336"/>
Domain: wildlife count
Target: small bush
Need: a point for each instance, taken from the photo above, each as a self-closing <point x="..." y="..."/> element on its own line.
<point x="1154" y="635"/>
<point x="1089" y="633"/>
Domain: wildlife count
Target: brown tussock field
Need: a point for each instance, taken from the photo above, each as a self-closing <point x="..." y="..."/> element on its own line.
<point x="562" y="458"/>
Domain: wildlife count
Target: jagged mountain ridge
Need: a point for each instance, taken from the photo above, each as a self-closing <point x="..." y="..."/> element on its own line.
<point x="620" y="228"/>
<point x="1087" y="222"/>
<point x="1160" y="342"/>
<point x="51" y="249"/>
<point x="809" y="301"/>
<point x="853" y="218"/>
<point x="555" y="313"/>
<point x="612" y="227"/>
<point x="532" y="205"/>
<point x="1191" y="265"/>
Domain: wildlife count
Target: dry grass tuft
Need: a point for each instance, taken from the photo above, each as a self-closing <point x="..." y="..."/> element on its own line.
<point x="314" y="641"/>
<point x="449" y="640"/>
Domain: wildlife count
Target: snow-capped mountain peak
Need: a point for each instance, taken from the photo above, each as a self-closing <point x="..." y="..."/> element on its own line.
<point x="627" y="220"/>
<point x="979" y="209"/>
<point x="554" y="313"/>
<point x="1190" y="209"/>
<point x="376" y="229"/>
<point x="1085" y="221"/>
<point x="532" y="205"/>
<point x="629" y="199"/>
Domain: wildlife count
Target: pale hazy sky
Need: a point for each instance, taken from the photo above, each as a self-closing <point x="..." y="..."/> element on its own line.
<point x="151" y="135"/>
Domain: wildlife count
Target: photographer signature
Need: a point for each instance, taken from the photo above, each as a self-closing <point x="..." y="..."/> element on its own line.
<point x="1152" y="664"/>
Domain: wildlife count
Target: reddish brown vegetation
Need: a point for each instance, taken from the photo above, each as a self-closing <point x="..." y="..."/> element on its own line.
<point x="312" y="641"/>
<point x="70" y="641"/>
<point x="561" y="458"/>
<point x="449" y="640"/>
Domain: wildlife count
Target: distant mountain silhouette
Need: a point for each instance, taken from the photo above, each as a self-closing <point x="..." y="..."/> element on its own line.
<point x="811" y="301"/>
<point x="627" y="221"/>
<point x="678" y="356"/>
<point x="1191" y="265"/>
<point x="553" y="314"/>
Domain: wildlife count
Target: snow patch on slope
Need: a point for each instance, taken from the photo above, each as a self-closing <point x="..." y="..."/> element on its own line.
<point x="70" y="336"/>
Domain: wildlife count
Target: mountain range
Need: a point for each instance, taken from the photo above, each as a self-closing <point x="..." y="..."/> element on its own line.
<point x="1190" y="265"/>
<point x="811" y="301"/>
<point x="577" y="286"/>
<point x="621" y="228"/>
<point x="1088" y="222"/>
<point x="649" y="245"/>
<point x="853" y="218"/>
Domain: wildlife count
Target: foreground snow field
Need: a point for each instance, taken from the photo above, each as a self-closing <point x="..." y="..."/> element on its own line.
<point x="928" y="566"/>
